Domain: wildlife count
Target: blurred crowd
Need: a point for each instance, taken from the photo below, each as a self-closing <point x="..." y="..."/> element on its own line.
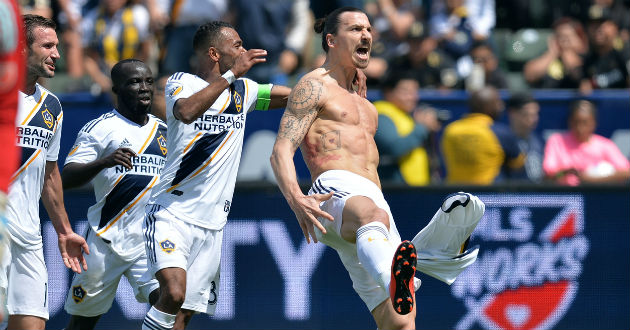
<point x="476" y="45"/>
<point x="446" y="44"/>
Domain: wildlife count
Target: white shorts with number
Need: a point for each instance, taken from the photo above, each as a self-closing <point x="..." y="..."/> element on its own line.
<point x="24" y="279"/>
<point x="345" y="185"/>
<point x="171" y="242"/>
<point x="93" y="291"/>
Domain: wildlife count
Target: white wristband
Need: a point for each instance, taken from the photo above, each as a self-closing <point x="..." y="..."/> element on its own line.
<point x="229" y="76"/>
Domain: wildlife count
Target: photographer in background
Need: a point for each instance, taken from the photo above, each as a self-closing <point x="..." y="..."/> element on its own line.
<point x="402" y="132"/>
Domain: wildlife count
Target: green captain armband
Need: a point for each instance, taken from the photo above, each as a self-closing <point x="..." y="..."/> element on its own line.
<point x="264" y="97"/>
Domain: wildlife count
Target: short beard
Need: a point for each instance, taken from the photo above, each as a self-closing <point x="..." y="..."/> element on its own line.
<point x="39" y="71"/>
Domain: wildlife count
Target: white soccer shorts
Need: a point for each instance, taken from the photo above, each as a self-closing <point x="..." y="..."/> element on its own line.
<point x="24" y="279"/>
<point x="346" y="185"/>
<point x="93" y="291"/>
<point x="171" y="242"/>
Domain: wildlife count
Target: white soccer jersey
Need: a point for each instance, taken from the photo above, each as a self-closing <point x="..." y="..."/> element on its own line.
<point x="38" y="130"/>
<point x="121" y="194"/>
<point x="198" y="180"/>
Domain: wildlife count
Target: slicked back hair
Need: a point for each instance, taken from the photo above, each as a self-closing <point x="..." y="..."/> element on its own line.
<point x="330" y="23"/>
<point x="32" y="22"/>
<point x="208" y="35"/>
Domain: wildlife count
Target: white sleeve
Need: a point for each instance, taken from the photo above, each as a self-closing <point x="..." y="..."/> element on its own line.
<point x="53" y="149"/>
<point x="252" y="94"/>
<point x="175" y="89"/>
<point x="85" y="149"/>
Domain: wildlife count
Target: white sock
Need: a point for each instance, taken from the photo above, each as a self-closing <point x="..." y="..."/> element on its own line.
<point x="158" y="320"/>
<point x="375" y="251"/>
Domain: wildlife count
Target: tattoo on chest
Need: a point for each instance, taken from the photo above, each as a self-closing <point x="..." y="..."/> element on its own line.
<point x="331" y="141"/>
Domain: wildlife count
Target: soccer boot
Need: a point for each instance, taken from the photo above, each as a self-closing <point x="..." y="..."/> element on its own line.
<point x="401" y="286"/>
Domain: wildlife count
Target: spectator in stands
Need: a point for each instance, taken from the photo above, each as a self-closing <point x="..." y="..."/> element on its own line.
<point x="36" y="7"/>
<point x="482" y="54"/>
<point x="475" y="148"/>
<point x="450" y="26"/>
<point x="580" y="155"/>
<point x="402" y="132"/>
<point x="617" y="10"/>
<point x="185" y="17"/>
<point x="70" y="25"/>
<point x="606" y="65"/>
<point x="113" y="31"/>
<point x="393" y="21"/>
<point x="478" y="15"/>
<point x="561" y="65"/>
<point x="281" y="28"/>
<point x="523" y="115"/>
<point x="429" y="64"/>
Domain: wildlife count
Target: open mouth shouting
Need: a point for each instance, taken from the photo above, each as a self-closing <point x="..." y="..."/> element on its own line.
<point x="363" y="52"/>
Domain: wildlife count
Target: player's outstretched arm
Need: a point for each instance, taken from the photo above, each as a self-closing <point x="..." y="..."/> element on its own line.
<point x="187" y="110"/>
<point x="302" y="108"/>
<point x="279" y="96"/>
<point x="77" y="174"/>
<point x="71" y="245"/>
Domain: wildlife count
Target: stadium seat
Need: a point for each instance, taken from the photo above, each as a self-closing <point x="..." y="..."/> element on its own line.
<point x="524" y="45"/>
<point x="500" y="39"/>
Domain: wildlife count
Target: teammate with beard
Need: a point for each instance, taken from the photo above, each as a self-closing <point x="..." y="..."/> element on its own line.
<point x="39" y="121"/>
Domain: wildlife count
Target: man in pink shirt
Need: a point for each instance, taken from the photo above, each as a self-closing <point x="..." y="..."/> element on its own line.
<point x="580" y="156"/>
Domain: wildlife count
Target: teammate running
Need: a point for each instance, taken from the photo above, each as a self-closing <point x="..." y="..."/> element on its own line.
<point x="206" y="115"/>
<point x="122" y="153"/>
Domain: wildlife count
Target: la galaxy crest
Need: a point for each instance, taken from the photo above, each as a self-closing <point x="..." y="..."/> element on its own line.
<point x="48" y="117"/>
<point x="238" y="101"/>
<point x="167" y="246"/>
<point x="78" y="293"/>
<point x="162" y="143"/>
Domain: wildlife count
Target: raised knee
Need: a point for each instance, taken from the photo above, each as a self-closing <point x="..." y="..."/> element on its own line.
<point x="381" y="216"/>
<point x="174" y="294"/>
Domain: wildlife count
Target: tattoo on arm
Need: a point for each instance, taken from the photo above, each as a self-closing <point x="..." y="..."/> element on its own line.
<point x="301" y="111"/>
<point x="331" y="140"/>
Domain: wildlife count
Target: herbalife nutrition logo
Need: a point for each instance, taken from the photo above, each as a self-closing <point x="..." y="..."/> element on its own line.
<point x="528" y="273"/>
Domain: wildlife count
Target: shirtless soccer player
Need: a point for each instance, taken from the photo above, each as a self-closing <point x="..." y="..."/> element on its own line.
<point x="345" y="207"/>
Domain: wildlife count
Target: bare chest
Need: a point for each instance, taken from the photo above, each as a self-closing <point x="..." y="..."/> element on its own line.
<point x="351" y="110"/>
